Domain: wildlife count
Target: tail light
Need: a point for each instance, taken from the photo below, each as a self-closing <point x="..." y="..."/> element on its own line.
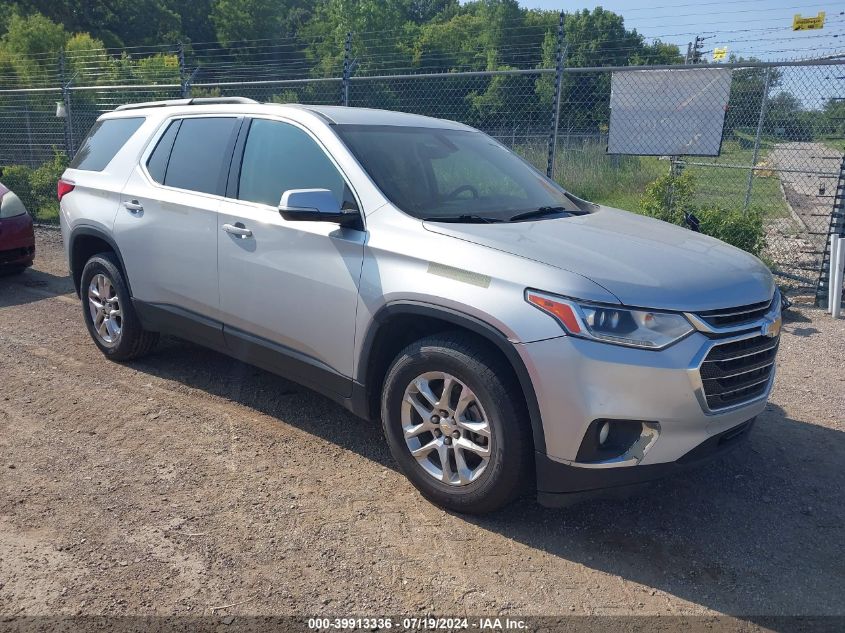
<point x="63" y="187"/>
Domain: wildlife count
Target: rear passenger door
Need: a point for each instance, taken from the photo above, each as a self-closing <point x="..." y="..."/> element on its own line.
<point x="288" y="289"/>
<point x="166" y="226"/>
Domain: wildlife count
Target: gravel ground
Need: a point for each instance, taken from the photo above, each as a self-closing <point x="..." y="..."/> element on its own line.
<point x="798" y="241"/>
<point x="187" y="481"/>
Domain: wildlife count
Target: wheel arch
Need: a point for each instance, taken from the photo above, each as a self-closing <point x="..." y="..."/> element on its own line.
<point x="86" y="241"/>
<point x="399" y="323"/>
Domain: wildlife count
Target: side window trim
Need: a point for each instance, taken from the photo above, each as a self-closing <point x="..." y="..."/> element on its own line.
<point x="232" y="189"/>
<point x="227" y="157"/>
<point x="177" y="123"/>
<point x="233" y="182"/>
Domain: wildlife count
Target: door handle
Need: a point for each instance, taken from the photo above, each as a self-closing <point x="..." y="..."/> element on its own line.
<point x="133" y="206"/>
<point x="238" y="229"/>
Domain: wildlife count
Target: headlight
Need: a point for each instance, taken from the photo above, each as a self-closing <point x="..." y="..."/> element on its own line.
<point x="10" y="205"/>
<point x="610" y="324"/>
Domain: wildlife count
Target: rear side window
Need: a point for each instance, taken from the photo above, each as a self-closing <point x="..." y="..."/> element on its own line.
<point x="157" y="163"/>
<point x="104" y="141"/>
<point x="201" y="154"/>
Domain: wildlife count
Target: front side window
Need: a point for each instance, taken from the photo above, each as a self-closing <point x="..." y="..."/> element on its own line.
<point x="436" y="173"/>
<point x="201" y="154"/>
<point x="278" y="157"/>
<point x="103" y="142"/>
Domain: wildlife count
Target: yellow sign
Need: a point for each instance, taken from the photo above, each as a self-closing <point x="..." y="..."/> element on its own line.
<point x="808" y="24"/>
<point x="720" y="53"/>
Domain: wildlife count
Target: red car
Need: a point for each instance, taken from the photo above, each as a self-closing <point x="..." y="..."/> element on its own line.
<point x="17" y="239"/>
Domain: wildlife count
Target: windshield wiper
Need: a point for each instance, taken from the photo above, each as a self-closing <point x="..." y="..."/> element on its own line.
<point x="538" y="213"/>
<point x="467" y="218"/>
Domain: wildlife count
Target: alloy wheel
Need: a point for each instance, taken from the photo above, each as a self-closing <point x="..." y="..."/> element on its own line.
<point x="104" y="307"/>
<point x="445" y="428"/>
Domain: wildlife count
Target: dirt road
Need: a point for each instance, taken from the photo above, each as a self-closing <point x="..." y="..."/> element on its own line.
<point x="188" y="481"/>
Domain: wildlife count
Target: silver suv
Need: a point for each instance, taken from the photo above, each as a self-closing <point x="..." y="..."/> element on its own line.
<point x="508" y="334"/>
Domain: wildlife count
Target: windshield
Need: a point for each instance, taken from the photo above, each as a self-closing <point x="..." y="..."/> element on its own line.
<point x="433" y="173"/>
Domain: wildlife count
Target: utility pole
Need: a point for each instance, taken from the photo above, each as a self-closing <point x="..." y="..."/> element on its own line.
<point x="697" y="48"/>
<point x="676" y="168"/>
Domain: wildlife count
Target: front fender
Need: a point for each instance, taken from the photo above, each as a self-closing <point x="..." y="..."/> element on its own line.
<point x="459" y="319"/>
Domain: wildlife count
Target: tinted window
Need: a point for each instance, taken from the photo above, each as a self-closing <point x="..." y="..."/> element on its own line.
<point x="157" y="163"/>
<point x="104" y="141"/>
<point x="438" y="172"/>
<point x="278" y="157"/>
<point x="201" y="149"/>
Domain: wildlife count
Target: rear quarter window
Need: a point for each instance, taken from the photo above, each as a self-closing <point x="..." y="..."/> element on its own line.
<point x="104" y="141"/>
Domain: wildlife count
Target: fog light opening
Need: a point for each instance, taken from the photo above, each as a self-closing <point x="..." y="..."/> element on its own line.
<point x="604" y="431"/>
<point x="611" y="440"/>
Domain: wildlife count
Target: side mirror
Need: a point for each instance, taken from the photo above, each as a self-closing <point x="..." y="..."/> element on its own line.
<point x="313" y="205"/>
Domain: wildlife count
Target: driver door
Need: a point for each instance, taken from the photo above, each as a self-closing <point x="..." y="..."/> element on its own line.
<point x="288" y="289"/>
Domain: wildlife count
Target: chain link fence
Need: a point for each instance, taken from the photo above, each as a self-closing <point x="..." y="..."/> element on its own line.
<point x="781" y="148"/>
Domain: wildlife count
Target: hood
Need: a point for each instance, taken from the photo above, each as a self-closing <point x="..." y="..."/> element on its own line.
<point x="642" y="261"/>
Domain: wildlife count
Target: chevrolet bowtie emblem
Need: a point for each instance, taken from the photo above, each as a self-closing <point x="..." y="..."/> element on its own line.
<point x="771" y="328"/>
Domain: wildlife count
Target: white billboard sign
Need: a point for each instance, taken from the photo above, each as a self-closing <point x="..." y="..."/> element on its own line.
<point x="668" y="112"/>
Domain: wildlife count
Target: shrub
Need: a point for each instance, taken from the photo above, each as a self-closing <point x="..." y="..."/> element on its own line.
<point x="37" y="187"/>
<point x="670" y="199"/>
<point x="738" y="228"/>
<point x="18" y="178"/>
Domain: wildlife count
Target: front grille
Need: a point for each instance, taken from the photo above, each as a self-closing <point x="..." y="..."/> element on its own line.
<point x="739" y="371"/>
<point x="738" y="316"/>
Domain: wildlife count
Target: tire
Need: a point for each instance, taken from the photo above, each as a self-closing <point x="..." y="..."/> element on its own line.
<point x="421" y="371"/>
<point x="125" y="339"/>
<point x="12" y="271"/>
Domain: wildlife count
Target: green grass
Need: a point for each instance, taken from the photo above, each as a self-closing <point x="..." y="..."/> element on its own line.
<point x="727" y="186"/>
<point x="836" y="144"/>
<point x="620" y="181"/>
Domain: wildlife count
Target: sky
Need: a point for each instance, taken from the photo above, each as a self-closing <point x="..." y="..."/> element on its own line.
<point x="748" y="28"/>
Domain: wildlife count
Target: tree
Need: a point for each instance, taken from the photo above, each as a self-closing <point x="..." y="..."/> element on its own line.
<point x="33" y="35"/>
<point x="747" y="88"/>
<point x="87" y="59"/>
<point x="384" y="34"/>
<point x="31" y="46"/>
<point x="194" y="18"/>
<point x="116" y="22"/>
<point x="241" y="20"/>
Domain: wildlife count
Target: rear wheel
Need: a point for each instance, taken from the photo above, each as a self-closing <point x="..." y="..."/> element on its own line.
<point x="108" y="311"/>
<point x="453" y="417"/>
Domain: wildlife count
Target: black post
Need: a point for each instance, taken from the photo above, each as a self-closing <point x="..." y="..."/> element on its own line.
<point x="347" y="66"/>
<point x="550" y="165"/>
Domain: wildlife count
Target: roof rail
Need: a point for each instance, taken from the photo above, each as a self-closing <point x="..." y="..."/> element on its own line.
<point x="184" y="102"/>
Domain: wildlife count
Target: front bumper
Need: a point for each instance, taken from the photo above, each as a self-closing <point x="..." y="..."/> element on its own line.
<point x="577" y="381"/>
<point x="17" y="241"/>
<point x="562" y="485"/>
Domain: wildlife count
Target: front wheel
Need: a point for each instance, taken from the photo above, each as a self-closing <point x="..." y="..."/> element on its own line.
<point x="454" y="420"/>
